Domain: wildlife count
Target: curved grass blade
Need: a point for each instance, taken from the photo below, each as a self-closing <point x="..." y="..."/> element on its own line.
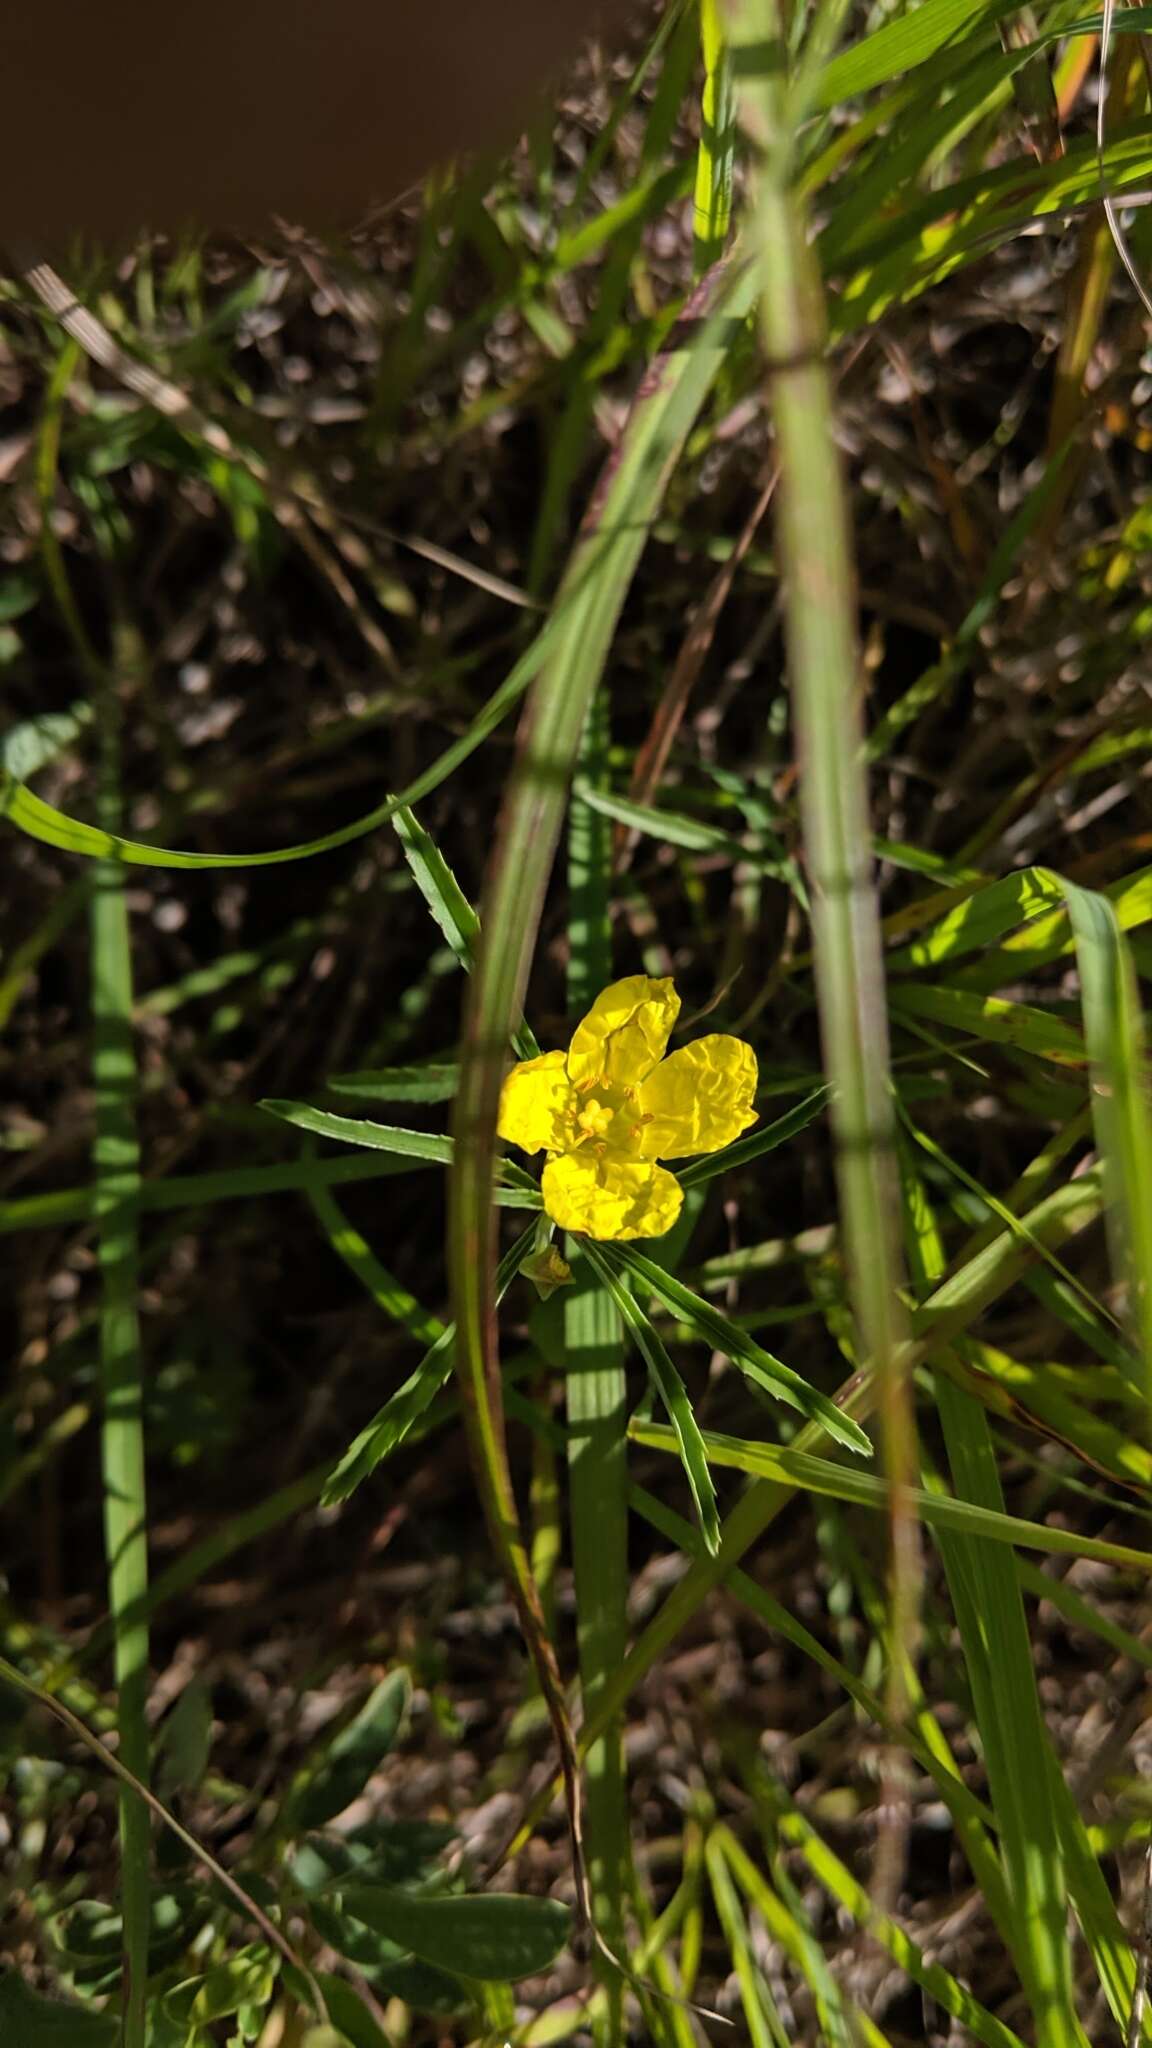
<point x="592" y="594"/>
<point x="57" y="828"/>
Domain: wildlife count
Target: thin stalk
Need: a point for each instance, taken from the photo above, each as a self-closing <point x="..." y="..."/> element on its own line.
<point x="715" y="160"/>
<point x="116" y="1174"/>
<point x="597" y="1403"/>
<point x="823" y="657"/>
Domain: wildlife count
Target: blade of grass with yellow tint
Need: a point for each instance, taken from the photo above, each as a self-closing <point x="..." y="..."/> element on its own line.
<point x="1114" y="1028"/>
<point x="824" y="662"/>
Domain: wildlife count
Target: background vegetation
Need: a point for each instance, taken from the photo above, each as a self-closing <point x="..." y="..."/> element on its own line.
<point x="767" y="440"/>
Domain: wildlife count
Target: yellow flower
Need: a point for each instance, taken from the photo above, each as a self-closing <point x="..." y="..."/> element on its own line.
<point x="612" y="1106"/>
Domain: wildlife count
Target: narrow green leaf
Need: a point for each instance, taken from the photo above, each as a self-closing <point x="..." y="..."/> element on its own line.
<point x="987" y="1017"/>
<point x="899" y="46"/>
<point x="427" y="1145"/>
<point x="493" y="1935"/>
<point x="438" y="885"/>
<point x="349" y="1760"/>
<point x="671" y="827"/>
<point x="351" y="2019"/>
<point x="1115" y="1031"/>
<point x="843" y="1482"/>
<point x="672" y="1392"/>
<point x="981" y="916"/>
<point x="770" y="1373"/>
<point x="399" y="1084"/>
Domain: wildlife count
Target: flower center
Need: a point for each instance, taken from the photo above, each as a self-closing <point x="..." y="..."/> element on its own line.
<point x="607" y="1118"/>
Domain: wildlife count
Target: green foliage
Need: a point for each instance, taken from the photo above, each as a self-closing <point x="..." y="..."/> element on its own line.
<point x="922" y="902"/>
<point x="349" y="1759"/>
<point x="38" y="2022"/>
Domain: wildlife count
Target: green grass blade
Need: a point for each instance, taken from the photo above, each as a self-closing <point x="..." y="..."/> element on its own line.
<point x="716" y="156"/>
<point x="988" y="1017"/>
<point x="941" y="1511"/>
<point x="824" y="664"/>
<point x="199" y="1190"/>
<point x="899" y="46"/>
<point x="981" y="915"/>
<point x="596" y="1402"/>
<point x="116" y="1188"/>
<point x="1114" y="1028"/>
<point x="765" y="2029"/>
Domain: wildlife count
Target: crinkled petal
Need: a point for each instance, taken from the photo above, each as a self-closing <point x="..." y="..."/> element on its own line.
<point x="699" y="1099"/>
<point x="535" y="1102"/>
<point x="625" y="1032"/>
<point x="608" y="1195"/>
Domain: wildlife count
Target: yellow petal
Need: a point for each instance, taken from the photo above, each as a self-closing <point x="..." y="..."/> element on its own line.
<point x="607" y="1195"/>
<point x="535" y="1103"/>
<point x="698" y="1100"/>
<point x="625" y="1032"/>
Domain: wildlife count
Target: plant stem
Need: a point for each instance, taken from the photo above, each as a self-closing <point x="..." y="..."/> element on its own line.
<point x="597" y="1404"/>
<point x="116" y="1169"/>
<point x="819" y="598"/>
